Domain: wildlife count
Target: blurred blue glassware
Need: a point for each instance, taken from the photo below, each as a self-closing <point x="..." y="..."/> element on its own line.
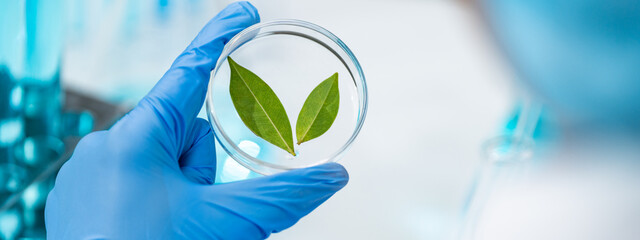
<point x="32" y="123"/>
<point x="580" y="56"/>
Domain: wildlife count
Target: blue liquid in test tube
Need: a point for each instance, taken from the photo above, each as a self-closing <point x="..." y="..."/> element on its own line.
<point x="31" y="119"/>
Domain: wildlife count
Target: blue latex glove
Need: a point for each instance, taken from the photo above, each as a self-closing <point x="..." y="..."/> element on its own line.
<point x="150" y="176"/>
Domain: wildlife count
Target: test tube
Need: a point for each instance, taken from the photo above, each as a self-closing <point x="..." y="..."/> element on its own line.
<point x="30" y="109"/>
<point x="505" y="158"/>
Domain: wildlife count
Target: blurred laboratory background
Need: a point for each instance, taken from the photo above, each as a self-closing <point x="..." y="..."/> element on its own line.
<point x="439" y="92"/>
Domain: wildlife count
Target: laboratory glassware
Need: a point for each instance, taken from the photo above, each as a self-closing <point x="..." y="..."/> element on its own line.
<point x="506" y="159"/>
<point x="293" y="57"/>
<point x="32" y="121"/>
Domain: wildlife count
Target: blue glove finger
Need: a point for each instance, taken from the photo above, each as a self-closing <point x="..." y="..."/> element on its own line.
<point x="182" y="89"/>
<point x="166" y="114"/>
<point x="198" y="163"/>
<point x="257" y="207"/>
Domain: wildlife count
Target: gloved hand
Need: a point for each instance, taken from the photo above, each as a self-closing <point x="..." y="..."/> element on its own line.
<point x="150" y="176"/>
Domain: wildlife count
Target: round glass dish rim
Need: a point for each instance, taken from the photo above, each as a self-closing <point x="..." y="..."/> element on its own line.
<point x="236" y="153"/>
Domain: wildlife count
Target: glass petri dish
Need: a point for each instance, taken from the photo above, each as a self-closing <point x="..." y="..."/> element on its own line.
<point x="292" y="57"/>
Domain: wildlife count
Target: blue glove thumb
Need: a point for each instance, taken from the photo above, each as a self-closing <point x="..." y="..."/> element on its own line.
<point x="252" y="209"/>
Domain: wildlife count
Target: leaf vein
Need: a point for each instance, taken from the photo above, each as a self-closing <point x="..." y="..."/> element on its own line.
<point x="265" y="112"/>
<point x="316" y="115"/>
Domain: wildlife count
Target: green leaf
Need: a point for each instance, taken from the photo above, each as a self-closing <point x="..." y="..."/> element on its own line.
<point x="259" y="107"/>
<point x="319" y="110"/>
